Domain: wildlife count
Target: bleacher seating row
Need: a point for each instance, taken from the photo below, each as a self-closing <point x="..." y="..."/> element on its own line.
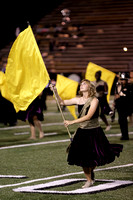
<point x="98" y="32"/>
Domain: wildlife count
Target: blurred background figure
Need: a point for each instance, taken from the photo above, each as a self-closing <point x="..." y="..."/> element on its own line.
<point x="34" y="115"/>
<point x="7" y="112"/>
<point x="123" y="103"/>
<point x="101" y="93"/>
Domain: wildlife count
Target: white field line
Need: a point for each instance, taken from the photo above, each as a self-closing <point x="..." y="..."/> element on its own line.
<point x="52" y="142"/>
<point x="27" y="133"/>
<point x="13" y="176"/>
<point x="34" y="144"/>
<point x="63" y="175"/>
<point x="43" y="125"/>
<point x="22" y="133"/>
<point x="117" y="134"/>
<point x="27" y="126"/>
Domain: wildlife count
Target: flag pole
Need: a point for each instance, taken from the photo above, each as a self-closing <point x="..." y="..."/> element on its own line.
<point x="61" y="113"/>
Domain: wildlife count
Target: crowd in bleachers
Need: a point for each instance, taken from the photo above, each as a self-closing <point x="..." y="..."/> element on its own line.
<point x="93" y="33"/>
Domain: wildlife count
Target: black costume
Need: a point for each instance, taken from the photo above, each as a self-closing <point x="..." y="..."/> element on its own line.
<point x="34" y="109"/>
<point x="7" y="112"/>
<point x="123" y="105"/>
<point x="90" y="146"/>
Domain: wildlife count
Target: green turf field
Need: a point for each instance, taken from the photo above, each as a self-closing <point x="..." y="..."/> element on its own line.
<point x="44" y="161"/>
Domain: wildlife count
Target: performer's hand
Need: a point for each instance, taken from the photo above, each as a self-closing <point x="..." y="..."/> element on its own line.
<point x="67" y="123"/>
<point x="52" y="87"/>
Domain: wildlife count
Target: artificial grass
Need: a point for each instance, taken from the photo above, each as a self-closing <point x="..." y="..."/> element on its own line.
<point x="49" y="160"/>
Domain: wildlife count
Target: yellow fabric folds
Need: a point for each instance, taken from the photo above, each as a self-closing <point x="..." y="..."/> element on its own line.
<point x="67" y="89"/>
<point x="107" y="75"/>
<point x="2" y="79"/>
<point x="26" y="74"/>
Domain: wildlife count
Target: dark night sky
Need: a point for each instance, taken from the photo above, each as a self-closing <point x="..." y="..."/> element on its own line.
<point x="17" y="14"/>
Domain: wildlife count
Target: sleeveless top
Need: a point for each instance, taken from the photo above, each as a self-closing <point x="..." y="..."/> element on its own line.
<point x="91" y="123"/>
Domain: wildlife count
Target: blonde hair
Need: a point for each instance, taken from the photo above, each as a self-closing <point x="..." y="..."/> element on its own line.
<point x="91" y="90"/>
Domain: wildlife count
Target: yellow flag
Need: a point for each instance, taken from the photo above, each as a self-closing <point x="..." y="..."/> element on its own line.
<point x="107" y="75"/>
<point x="67" y="89"/>
<point x="26" y="74"/>
<point x="2" y="79"/>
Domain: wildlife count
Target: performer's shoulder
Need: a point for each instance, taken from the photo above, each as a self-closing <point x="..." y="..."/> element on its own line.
<point x="95" y="100"/>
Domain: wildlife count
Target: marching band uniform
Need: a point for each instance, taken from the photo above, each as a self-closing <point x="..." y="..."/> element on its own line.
<point x="122" y="104"/>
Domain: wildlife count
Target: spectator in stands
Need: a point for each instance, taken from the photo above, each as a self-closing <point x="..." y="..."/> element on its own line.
<point x="101" y="93"/>
<point x="51" y="45"/>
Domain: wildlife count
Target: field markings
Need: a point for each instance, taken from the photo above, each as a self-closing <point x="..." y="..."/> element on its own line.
<point x="27" y="126"/>
<point x="63" y="175"/>
<point x="44" y="188"/>
<point x="52" y="142"/>
<point x="27" y="133"/>
<point x="34" y="144"/>
<point x="13" y="176"/>
<point x="43" y="125"/>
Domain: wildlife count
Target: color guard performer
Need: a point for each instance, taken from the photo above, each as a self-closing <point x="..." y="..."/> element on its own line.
<point x="101" y="94"/>
<point x="89" y="147"/>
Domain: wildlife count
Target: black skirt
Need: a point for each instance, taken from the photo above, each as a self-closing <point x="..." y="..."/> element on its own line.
<point x="34" y="109"/>
<point x="90" y="148"/>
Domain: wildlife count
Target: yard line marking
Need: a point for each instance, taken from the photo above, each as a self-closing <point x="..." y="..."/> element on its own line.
<point x="54" y="113"/>
<point x="116" y="134"/>
<point x="27" y="133"/>
<point x="22" y="133"/>
<point x="45" y="187"/>
<point x="47" y="124"/>
<point x="63" y="175"/>
<point x="52" y="142"/>
<point x="52" y="133"/>
<point x="43" y="124"/>
<point x="13" y="176"/>
<point x="27" y="126"/>
<point x="34" y="144"/>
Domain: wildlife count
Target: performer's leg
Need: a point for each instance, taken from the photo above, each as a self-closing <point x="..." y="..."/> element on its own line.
<point x="88" y="173"/>
<point x="123" y="126"/>
<point x="122" y="119"/>
<point x="33" y="133"/>
<point x="38" y="125"/>
<point x="105" y="109"/>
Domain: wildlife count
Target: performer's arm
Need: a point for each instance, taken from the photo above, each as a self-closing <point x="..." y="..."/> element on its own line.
<point x="90" y="113"/>
<point x="68" y="102"/>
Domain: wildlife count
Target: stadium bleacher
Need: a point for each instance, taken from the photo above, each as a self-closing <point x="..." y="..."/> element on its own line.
<point x="97" y="32"/>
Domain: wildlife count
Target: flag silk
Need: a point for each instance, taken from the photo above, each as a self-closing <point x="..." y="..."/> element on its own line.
<point x="107" y="75"/>
<point x="2" y="79"/>
<point x="26" y="75"/>
<point x="67" y="89"/>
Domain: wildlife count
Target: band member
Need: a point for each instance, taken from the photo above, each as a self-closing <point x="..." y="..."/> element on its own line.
<point x="123" y="104"/>
<point x="89" y="147"/>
